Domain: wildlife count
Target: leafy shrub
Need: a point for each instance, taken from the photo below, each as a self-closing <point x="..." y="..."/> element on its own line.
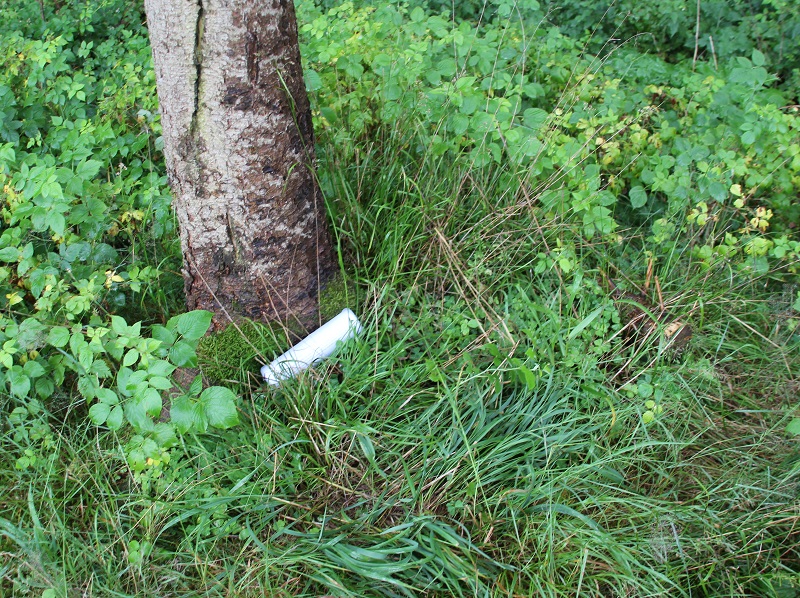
<point x="727" y="29"/>
<point x="85" y="220"/>
<point x="632" y="142"/>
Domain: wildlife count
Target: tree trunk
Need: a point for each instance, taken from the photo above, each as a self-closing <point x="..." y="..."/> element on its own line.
<point x="239" y="146"/>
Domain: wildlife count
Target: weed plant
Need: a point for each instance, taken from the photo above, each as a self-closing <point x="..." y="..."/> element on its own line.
<point x="577" y="278"/>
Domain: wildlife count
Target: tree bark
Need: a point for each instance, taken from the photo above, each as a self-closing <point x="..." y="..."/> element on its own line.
<point x="239" y="146"/>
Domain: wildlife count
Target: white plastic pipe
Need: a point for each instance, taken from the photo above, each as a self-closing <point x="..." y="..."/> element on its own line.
<point x="312" y="349"/>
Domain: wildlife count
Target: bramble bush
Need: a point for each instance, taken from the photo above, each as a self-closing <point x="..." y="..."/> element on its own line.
<point x="633" y="142"/>
<point x="86" y="217"/>
<point x="728" y="29"/>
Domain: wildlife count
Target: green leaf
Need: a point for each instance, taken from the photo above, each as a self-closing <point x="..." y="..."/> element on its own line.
<point x="181" y="413"/>
<point x="196" y="386"/>
<point x="758" y="58"/>
<point x="131" y="357"/>
<point x="459" y="123"/>
<point x="534" y="118"/>
<point x="164" y="434"/>
<point x="182" y="354"/>
<point x="393" y="92"/>
<point x="100" y="368"/>
<point x="160" y="382"/>
<point x="115" y="418"/>
<point x="119" y="325"/>
<point x="57" y="223"/>
<point x="192" y="325"/>
<point x="417" y="15"/>
<point x="638" y="197"/>
<point x="166" y="336"/>
<point x="33" y="369"/>
<point x="150" y="399"/>
<point x="585" y="322"/>
<point x="793" y="428"/>
<point x="88" y="170"/>
<point x="20" y="383"/>
<point x="9" y="254"/>
<point x="45" y="387"/>
<point x="313" y="80"/>
<point x="527" y="376"/>
<point x="160" y="367"/>
<point x="99" y="413"/>
<point x="106" y="395"/>
<point x="188" y="415"/>
<point x="219" y="407"/>
<point x="137" y="417"/>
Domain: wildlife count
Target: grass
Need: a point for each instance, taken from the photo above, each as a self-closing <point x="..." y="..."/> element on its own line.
<point x="483" y="437"/>
<point x="430" y="458"/>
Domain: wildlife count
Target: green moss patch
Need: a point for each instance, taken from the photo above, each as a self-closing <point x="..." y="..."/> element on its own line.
<point x="232" y="353"/>
<point x="336" y="296"/>
<point x="238" y="350"/>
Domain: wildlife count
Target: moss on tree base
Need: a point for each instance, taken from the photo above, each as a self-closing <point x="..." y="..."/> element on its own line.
<point x="240" y="349"/>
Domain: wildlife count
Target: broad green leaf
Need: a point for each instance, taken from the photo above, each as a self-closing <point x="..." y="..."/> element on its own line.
<point x="9" y="254"/>
<point x="106" y="395"/>
<point x="534" y="118"/>
<point x="164" y="434"/>
<point x="528" y="376"/>
<point x="88" y="170"/>
<point x="115" y="418"/>
<point x="98" y="413"/>
<point x="119" y="325"/>
<point x="459" y="123"/>
<point x="188" y="415"/>
<point x="57" y="223"/>
<point x="160" y="367"/>
<point x="163" y="334"/>
<point x="219" y="406"/>
<point x="793" y="427"/>
<point x="137" y="416"/>
<point x="196" y="386"/>
<point x="150" y="399"/>
<point x="33" y="369"/>
<point x="182" y="354"/>
<point x="193" y="325"/>
<point x="100" y="368"/>
<point x="366" y="447"/>
<point x="638" y="197"/>
<point x="160" y="382"/>
<point x="45" y="387"/>
<point x="181" y="413"/>
<point x="20" y="383"/>
<point x="312" y="79"/>
<point x="131" y="357"/>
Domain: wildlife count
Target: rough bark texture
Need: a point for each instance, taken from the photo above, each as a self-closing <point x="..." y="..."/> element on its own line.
<point x="239" y="146"/>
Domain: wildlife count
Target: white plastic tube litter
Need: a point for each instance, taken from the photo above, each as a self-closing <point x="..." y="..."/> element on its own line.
<point x="312" y="349"/>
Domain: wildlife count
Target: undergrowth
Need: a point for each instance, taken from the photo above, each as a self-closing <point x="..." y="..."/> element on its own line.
<point x="577" y="275"/>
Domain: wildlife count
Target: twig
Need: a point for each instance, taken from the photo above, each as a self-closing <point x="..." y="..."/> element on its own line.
<point x="696" y="36"/>
<point x="713" y="52"/>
